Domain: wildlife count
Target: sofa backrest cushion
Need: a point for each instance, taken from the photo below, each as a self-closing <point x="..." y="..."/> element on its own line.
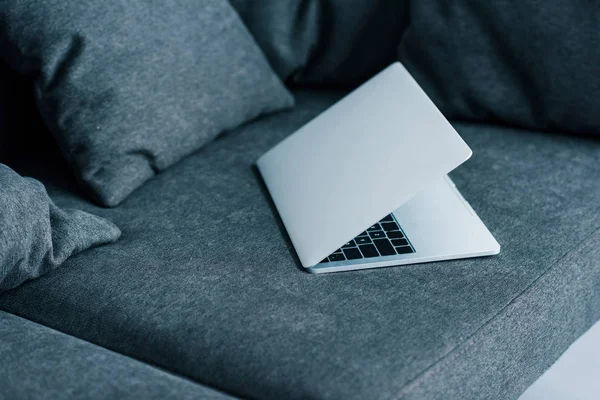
<point x="326" y="42"/>
<point x="532" y="64"/>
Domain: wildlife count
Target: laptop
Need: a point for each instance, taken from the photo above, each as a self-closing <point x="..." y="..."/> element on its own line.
<point x="365" y="185"/>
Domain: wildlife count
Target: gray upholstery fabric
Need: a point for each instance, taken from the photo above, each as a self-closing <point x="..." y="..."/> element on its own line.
<point x="533" y="63"/>
<point x="286" y="30"/>
<point x="37" y="236"/>
<point x="333" y="42"/>
<point x="204" y="281"/>
<point x="131" y="87"/>
<point x="358" y="38"/>
<point x="40" y="363"/>
<point x="531" y="332"/>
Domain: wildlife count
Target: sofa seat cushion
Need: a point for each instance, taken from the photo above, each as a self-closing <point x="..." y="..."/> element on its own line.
<point x="41" y="363"/>
<point x="204" y="281"/>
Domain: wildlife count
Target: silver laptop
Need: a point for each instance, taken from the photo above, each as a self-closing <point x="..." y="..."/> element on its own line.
<point x="365" y="185"/>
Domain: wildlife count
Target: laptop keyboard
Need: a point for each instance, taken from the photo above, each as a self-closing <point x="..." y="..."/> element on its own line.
<point x="385" y="238"/>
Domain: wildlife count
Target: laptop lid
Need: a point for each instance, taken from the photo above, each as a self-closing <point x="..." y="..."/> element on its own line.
<point x="358" y="161"/>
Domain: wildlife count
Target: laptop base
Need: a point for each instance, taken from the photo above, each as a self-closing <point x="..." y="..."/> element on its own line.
<point x="435" y="225"/>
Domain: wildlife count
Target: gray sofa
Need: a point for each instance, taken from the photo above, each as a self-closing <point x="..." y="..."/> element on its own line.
<point x="203" y="296"/>
<point x="204" y="289"/>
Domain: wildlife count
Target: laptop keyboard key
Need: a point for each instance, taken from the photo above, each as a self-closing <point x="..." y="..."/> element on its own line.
<point x="377" y="234"/>
<point x="404" y="250"/>
<point x="382" y="239"/>
<point x="349" y="244"/>
<point x="395" y="235"/>
<point x="337" y="257"/>
<point x="389" y="218"/>
<point x="352" y="253"/>
<point x="384" y="246"/>
<point x="389" y="226"/>
<point x="400" y="242"/>
<point x="362" y="240"/>
<point x="369" y="251"/>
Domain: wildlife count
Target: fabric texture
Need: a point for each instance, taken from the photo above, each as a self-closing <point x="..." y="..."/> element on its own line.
<point x="532" y="64"/>
<point x="533" y="330"/>
<point x="131" y="87"/>
<point x="286" y="30"/>
<point x="37" y="236"/>
<point x="40" y="363"/>
<point x="331" y="42"/>
<point x="205" y="283"/>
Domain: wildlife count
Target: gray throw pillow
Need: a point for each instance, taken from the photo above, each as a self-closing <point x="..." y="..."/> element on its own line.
<point x="129" y="87"/>
<point x="36" y="236"/>
<point x="531" y="63"/>
<point x="331" y="42"/>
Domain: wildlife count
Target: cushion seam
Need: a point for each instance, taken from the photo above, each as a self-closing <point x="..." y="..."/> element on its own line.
<point x="456" y="351"/>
